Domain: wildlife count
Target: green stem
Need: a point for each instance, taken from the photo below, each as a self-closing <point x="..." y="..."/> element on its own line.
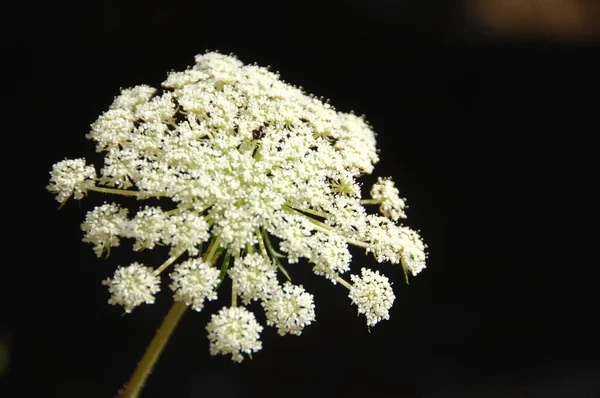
<point x="261" y="243"/>
<point x="274" y="255"/>
<point x="168" y="262"/>
<point x="209" y="257"/>
<point x="224" y="267"/>
<point x="123" y="192"/>
<point x="370" y="201"/>
<point x="142" y="371"/>
<point x="136" y="382"/>
<point x="233" y="297"/>
<point x="269" y="246"/>
<point x="343" y="282"/>
<point x="327" y="229"/>
<point x="309" y="211"/>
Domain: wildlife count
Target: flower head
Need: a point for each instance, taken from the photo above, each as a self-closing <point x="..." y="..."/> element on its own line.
<point x="290" y="309"/>
<point x="392" y="205"/>
<point x="239" y="165"/>
<point x="412" y="254"/>
<point x="253" y="277"/>
<point x="185" y="231"/>
<point x="71" y="177"/>
<point x="373" y="295"/>
<point x="194" y="281"/>
<point x="149" y="227"/>
<point x="234" y="331"/>
<point x="132" y="286"/>
<point x="103" y="226"/>
<point x="330" y="255"/>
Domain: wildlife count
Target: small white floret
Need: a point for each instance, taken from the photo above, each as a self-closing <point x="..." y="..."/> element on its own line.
<point x="130" y="97"/>
<point x="413" y="254"/>
<point x="185" y="231"/>
<point x="148" y="228"/>
<point x="103" y="226"/>
<point x="194" y="281"/>
<point x="253" y="277"/>
<point x="234" y="331"/>
<point x="290" y="309"/>
<point x="71" y="177"/>
<point x="392" y="205"/>
<point x="132" y="286"/>
<point x="373" y="295"/>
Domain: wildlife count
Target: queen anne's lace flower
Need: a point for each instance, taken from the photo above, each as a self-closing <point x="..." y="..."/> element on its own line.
<point x="194" y="281"/>
<point x="392" y="205"/>
<point x="290" y="309"/>
<point x="131" y="97"/>
<point x="148" y="228"/>
<point x="253" y="277"/>
<point x="239" y="165"/>
<point x="373" y="295"/>
<point x="412" y="254"/>
<point x="185" y="231"/>
<point x="329" y="253"/>
<point x="71" y="177"/>
<point x="234" y="331"/>
<point x="103" y="226"/>
<point x="132" y="286"/>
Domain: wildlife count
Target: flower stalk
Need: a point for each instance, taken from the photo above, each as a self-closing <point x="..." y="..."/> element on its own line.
<point x="143" y="369"/>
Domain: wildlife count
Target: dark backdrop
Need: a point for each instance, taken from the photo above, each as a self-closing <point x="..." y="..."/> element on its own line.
<point x="493" y="139"/>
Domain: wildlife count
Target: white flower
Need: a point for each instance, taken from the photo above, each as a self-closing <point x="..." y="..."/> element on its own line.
<point x="185" y="231"/>
<point x="238" y="163"/>
<point x="71" y="177"/>
<point x="373" y="295"/>
<point x="132" y="286"/>
<point x="253" y="277"/>
<point x="356" y="141"/>
<point x="148" y="227"/>
<point x="385" y="239"/>
<point x="120" y="168"/>
<point x="103" y="226"/>
<point x="193" y="282"/>
<point x="413" y="254"/>
<point x="234" y="331"/>
<point x="329" y="254"/>
<point x="396" y="244"/>
<point x="348" y="216"/>
<point x="112" y="129"/>
<point x="290" y="309"/>
<point x="294" y="231"/>
<point x="129" y="98"/>
<point x="392" y="205"/>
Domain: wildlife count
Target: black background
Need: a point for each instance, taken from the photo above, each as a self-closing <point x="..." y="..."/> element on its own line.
<point x="493" y="141"/>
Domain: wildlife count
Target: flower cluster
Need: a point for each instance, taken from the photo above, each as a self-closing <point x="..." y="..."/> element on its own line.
<point x="252" y="174"/>
<point x="372" y="293"/>
<point x="132" y="286"/>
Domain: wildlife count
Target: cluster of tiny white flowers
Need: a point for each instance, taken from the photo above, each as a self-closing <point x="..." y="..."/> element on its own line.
<point x="188" y="231"/>
<point x="373" y="295"/>
<point x="234" y="331"/>
<point x="412" y="254"/>
<point x="103" y="226"/>
<point x="194" y="281"/>
<point x="132" y="286"/>
<point x="71" y="177"/>
<point x="245" y="167"/>
<point x="147" y="228"/>
<point x="290" y="309"/>
<point x="253" y="277"/>
<point x="329" y="254"/>
<point x="395" y="244"/>
<point x="392" y="205"/>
